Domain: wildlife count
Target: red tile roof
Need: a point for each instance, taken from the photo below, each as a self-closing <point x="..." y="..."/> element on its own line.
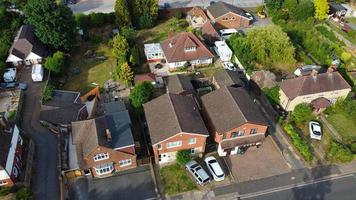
<point x="150" y="77"/>
<point x="174" y="48"/>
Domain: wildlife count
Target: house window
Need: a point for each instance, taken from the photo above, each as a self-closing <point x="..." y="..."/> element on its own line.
<point x="3" y="183"/>
<point x="20" y="140"/>
<point x="190" y="49"/>
<point x="253" y="131"/>
<point x="236" y="134"/>
<point x="104" y="169"/>
<point x="159" y="146"/>
<point x="124" y="163"/>
<point x="174" y="144"/>
<point x="193" y="151"/>
<point x="101" y="156"/>
<point x="192" y="140"/>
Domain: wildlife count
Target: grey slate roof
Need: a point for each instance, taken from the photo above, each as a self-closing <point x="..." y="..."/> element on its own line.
<point x="119" y="124"/>
<point x="230" y="107"/>
<point x="61" y="98"/>
<point x="178" y="84"/>
<point x="171" y="114"/>
<point x="26" y="42"/>
<point x="114" y="106"/>
<point x="230" y="78"/>
<point x="221" y="8"/>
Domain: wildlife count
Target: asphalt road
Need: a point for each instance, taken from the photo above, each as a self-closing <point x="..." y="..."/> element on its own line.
<point x="338" y="188"/>
<point x="45" y="178"/>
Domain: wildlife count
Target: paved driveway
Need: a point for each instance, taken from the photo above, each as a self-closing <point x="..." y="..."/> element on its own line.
<point x="133" y="184"/>
<point x="257" y="163"/>
<point x="45" y="178"/>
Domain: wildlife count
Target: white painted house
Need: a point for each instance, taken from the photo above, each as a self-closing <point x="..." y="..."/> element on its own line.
<point x="26" y="48"/>
<point x="153" y="52"/>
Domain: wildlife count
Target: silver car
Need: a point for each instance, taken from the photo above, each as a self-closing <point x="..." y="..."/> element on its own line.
<point x="198" y="172"/>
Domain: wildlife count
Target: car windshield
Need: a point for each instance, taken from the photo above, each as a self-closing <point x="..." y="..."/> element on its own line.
<point x="316" y="133"/>
<point x="212" y="161"/>
<point x="198" y="168"/>
<point x="193" y="166"/>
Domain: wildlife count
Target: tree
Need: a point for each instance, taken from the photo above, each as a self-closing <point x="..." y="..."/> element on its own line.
<point x="141" y="94"/>
<point x="129" y="33"/>
<point x="125" y="74"/>
<point x="135" y="58"/>
<point x="120" y="49"/>
<point x="122" y="13"/>
<point x="321" y="9"/>
<point x="303" y="11"/>
<point x="55" y="24"/>
<point x="270" y="46"/>
<point x="183" y="156"/>
<point x="147" y="10"/>
<point x="55" y="62"/>
<point x="272" y="94"/>
<point x="302" y="113"/>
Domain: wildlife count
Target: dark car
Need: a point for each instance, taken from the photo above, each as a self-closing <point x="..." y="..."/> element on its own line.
<point x="22" y="86"/>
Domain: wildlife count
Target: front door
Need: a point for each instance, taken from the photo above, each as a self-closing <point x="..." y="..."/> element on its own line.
<point x="163" y="158"/>
<point x="228" y="152"/>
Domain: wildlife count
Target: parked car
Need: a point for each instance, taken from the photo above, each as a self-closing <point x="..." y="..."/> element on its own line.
<point x="22" y="86"/>
<point x="197" y="172"/>
<point x="37" y="73"/>
<point x="315" y="130"/>
<point x="214" y="168"/>
<point x="10" y="75"/>
<point x="229" y="66"/>
<point x="249" y="16"/>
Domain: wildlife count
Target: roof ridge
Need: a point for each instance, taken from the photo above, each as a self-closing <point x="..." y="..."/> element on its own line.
<point x="174" y="110"/>
<point x="235" y="103"/>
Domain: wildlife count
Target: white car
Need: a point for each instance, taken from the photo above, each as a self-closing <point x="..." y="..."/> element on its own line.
<point x="229" y="66"/>
<point x="9" y="75"/>
<point x="249" y="16"/>
<point x="315" y="130"/>
<point x="214" y="168"/>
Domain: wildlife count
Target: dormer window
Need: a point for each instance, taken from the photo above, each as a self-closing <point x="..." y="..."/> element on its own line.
<point x="190" y="48"/>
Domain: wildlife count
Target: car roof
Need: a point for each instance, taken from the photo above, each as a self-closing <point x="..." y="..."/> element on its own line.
<point x="191" y="163"/>
<point x="217" y="168"/>
<point x="316" y="127"/>
<point x="202" y="173"/>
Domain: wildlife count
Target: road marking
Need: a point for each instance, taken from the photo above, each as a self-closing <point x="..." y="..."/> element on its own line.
<point x="278" y="189"/>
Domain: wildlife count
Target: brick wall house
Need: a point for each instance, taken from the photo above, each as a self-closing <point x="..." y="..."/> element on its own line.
<point x="174" y="123"/>
<point x="233" y="119"/>
<point x="226" y="16"/>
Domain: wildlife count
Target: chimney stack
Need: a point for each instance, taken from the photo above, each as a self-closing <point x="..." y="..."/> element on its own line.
<point x="108" y="135"/>
<point x="313" y="72"/>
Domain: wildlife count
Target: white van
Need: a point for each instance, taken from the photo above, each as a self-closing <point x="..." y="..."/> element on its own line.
<point x="226" y="33"/>
<point x="37" y="73"/>
<point x="223" y="51"/>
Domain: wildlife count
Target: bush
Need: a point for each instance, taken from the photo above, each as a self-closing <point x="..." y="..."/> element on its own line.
<point x="55" y="62"/>
<point x="178" y="15"/>
<point x="4" y="191"/>
<point x="47" y="93"/>
<point x="24" y="194"/>
<point x="272" y="94"/>
<point x="345" y="57"/>
<point x="95" y="39"/>
<point x="302" y="113"/>
<point x="183" y="156"/>
<point x="353" y="147"/>
<point x="300" y="144"/>
<point x="141" y="94"/>
<point x="337" y="152"/>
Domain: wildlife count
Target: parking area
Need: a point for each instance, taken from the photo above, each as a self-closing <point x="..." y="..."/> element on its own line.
<point x="257" y="163"/>
<point x="130" y="185"/>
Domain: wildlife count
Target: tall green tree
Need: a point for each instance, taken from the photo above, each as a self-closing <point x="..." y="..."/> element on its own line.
<point x="321" y="9"/>
<point x="55" y="63"/>
<point x="147" y="10"/>
<point x="122" y="13"/>
<point x="120" y="49"/>
<point x="125" y="74"/>
<point x="55" y="24"/>
<point x="141" y="94"/>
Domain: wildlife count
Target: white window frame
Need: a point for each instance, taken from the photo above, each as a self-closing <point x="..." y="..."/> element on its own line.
<point x="159" y="146"/>
<point x="174" y="144"/>
<point x="104" y="169"/>
<point x="2" y="182"/>
<point x="189" y="49"/>
<point x="193" y="151"/>
<point x="124" y="163"/>
<point x="101" y="156"/>
<point x="192" y="141"/>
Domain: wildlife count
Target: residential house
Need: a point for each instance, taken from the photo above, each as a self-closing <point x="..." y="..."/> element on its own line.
<point x="174" y="123"/>
<point x="196" y="17"/>
<point x="229" y="78"/>
<point x="153" y="52"/>
<point x="226" y="16"/>
<point x="179" y="84"/>
<point x="63" y="108"/>
<point x="209" y="33"/>
<point x="185" y="49"/>
<point x="337" y="10"/>
<point x="233" y="119"/>
<point x="11" y="150"/>
<point x="104" y="145"/>
<point x="328" y="86"/>
<point x="26" y="48"/>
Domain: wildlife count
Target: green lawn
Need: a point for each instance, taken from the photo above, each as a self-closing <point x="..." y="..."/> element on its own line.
<point x="343" y="125"/>
<point x="176" y="179"/>
<point x="93" y="71"/>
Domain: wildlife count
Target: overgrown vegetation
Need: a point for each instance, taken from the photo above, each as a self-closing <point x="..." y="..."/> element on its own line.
<point x="24" y="194"/>
<point x="183" y="156"/>
<point x="176" y="180"/>
<point x="272" y="94"/>
<point x="302" y="113"/>
<point x="300" y="144"/>
<point x="94" y="20"/>
<point x="47" y="93"/>
<point x="337" y="152"/>
<point x="4" y="191"/>
<point x="141" y="93"/>
<point x="55" y="63"/>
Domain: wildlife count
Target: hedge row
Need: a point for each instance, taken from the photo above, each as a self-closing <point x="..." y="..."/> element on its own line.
<point x="299" y="142"/>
